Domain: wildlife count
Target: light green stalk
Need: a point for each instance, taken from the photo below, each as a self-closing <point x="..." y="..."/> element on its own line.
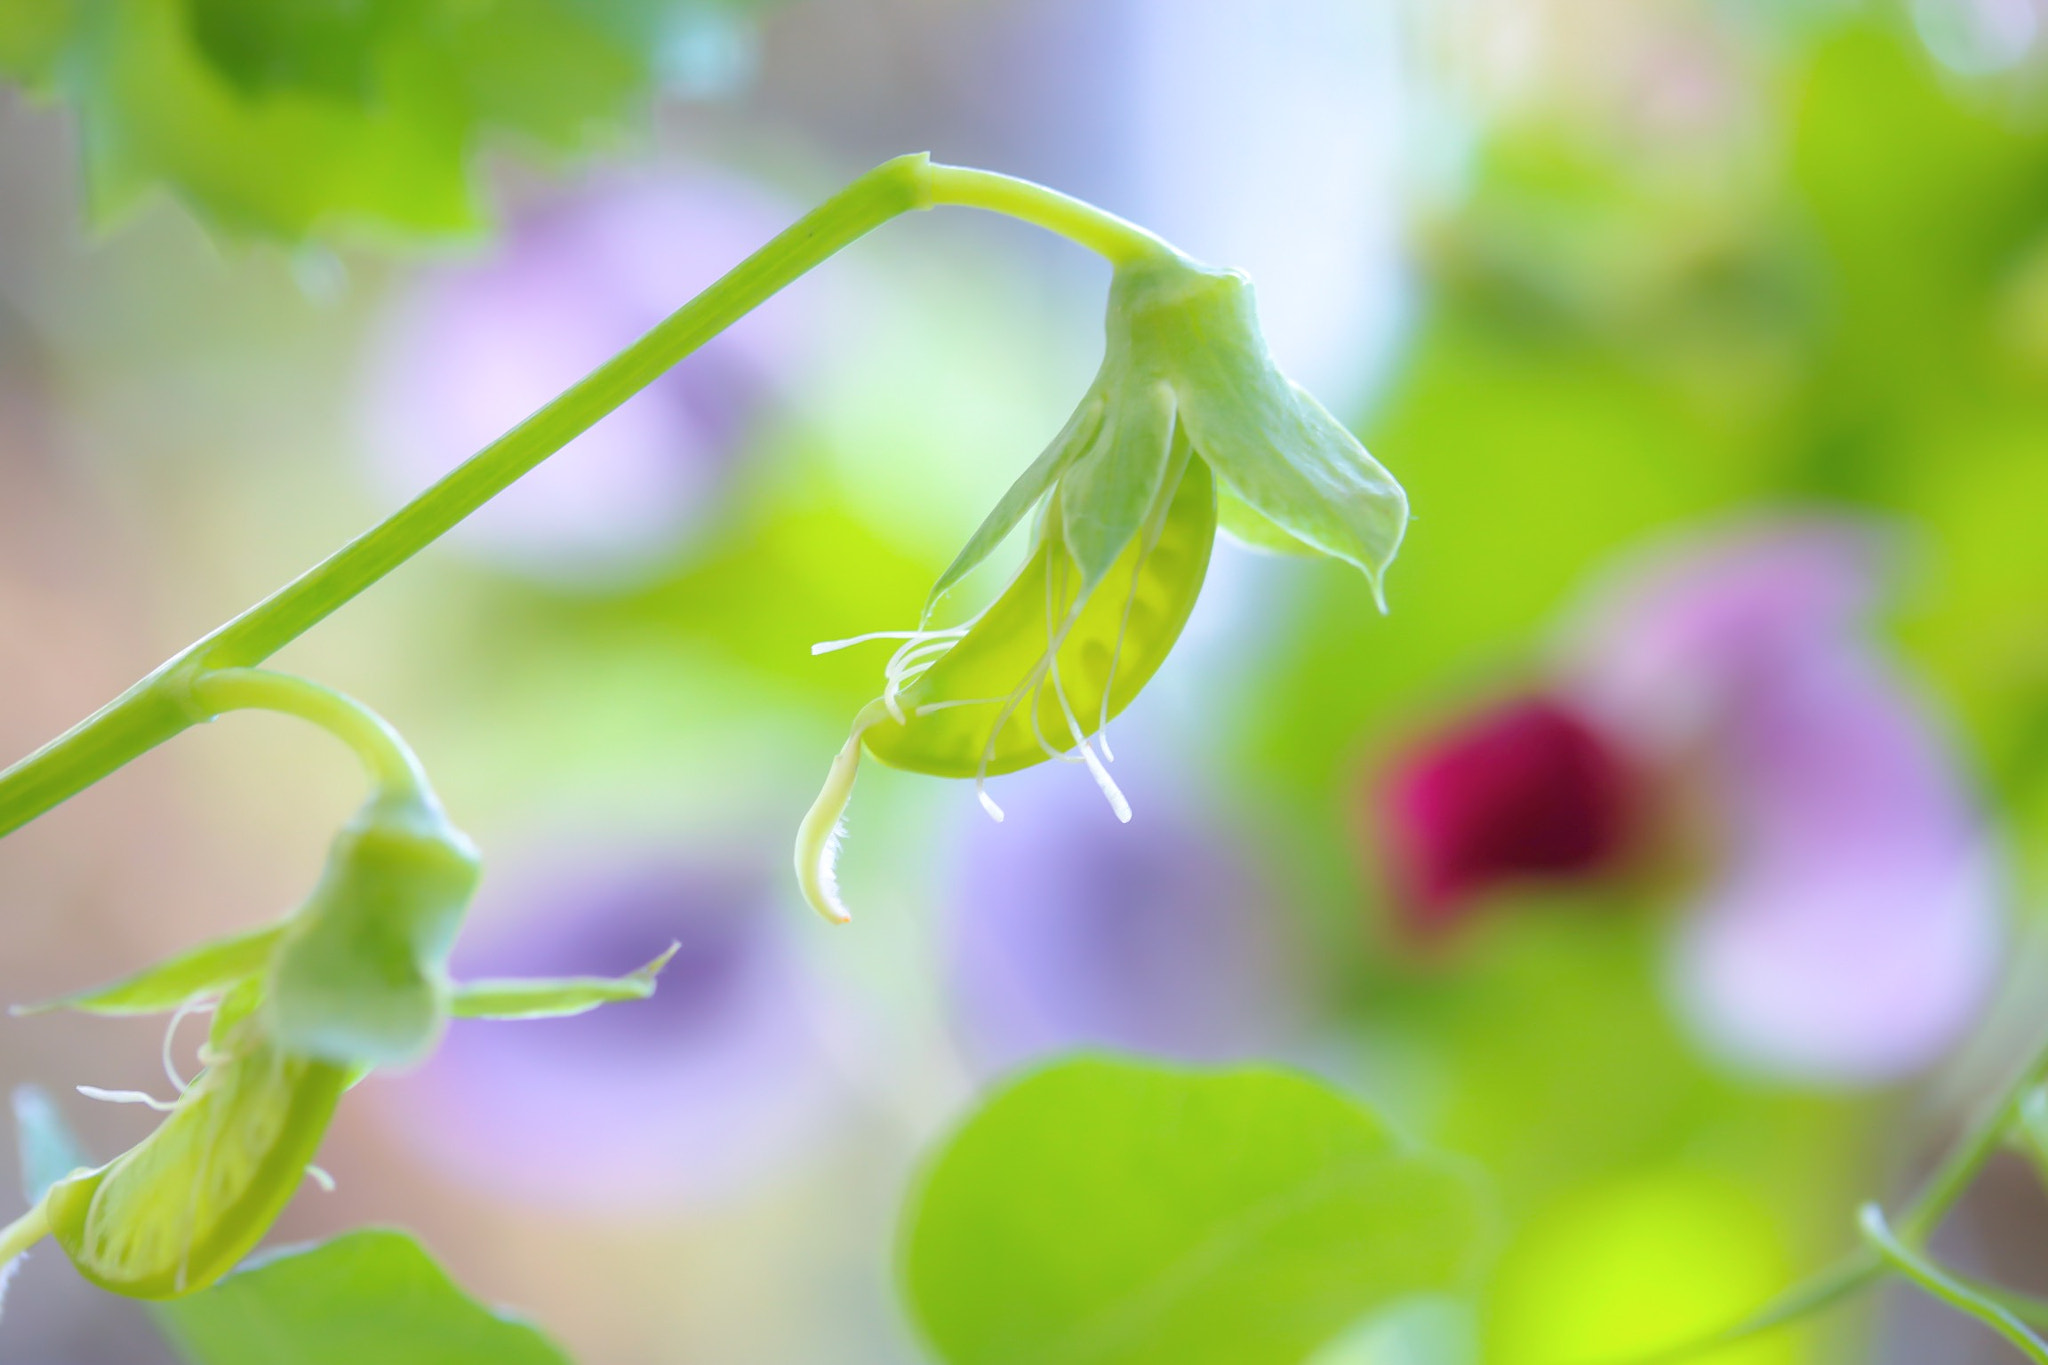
<point x="167" y="702"/>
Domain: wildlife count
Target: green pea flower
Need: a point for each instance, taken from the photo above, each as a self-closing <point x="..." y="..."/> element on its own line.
<point x="1188" y="426"/>
<point x="354" y="979"/>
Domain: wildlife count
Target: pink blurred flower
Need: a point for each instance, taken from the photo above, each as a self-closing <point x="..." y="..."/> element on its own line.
<point x="1845" y="923"/>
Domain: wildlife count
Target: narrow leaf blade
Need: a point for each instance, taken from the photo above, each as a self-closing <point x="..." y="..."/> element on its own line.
<point x="554" y="997"/>
<point x="210" y="968"/>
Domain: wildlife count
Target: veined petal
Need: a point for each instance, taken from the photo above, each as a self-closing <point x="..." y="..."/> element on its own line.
<point x="1073" y="441"/>
<point x="1108" y="494"/>
<point x="1267" y="439"/>
<point x="983" y="708"/>
<point x="181" y="1207"/>
<point x="1294" y="464"/>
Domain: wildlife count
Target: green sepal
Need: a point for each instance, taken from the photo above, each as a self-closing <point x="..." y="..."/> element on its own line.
<point x="361" y="976"/>
<point x="553" y="997"/>
<point x="209" y="969"/>
<point x="1268" y="440"/>
<point x="180" y="1208"/>
<point x="1108" y="494"/>
<point x="1030" y="489"/>
<point x="1244" y="524"/>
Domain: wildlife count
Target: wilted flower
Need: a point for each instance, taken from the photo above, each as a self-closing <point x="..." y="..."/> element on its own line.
<point x="1845" y="917"/>
<point x="1187" y="424"/>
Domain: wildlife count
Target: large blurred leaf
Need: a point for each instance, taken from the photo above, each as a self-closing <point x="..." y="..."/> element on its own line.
<point x="373" y="1295"/>
<point x="325" y="116"/>
<point x="1104" y="1212"/>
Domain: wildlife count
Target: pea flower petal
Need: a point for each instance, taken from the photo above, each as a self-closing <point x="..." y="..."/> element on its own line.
<point x="1851" y="926"/>
<point x="1187" y="413"/>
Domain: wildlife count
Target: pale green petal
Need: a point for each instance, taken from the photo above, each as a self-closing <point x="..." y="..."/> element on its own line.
<point x="1269" y="442"/>
<point x="1072" y="442"/>
<point x="206" y="970"/>
<point x="1109" y="494"/>
<point x="1244" y="524"/>
<point x="553" y="997"/>
<point x="1297" y="466"/>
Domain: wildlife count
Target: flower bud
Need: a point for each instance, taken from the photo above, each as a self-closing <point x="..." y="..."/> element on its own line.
<point x="360" y="977"/>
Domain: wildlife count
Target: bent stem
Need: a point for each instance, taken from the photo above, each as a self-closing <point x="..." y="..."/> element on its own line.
<point x="1954" y="1292"/>
<point x="390" y="761"/>
<point x="1107" y="235"/>
<point x="161" y="705"/>
<point x="1866" y="1266"/>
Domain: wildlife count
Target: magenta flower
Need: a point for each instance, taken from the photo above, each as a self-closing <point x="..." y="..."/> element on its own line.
<point x="470" y="350"/>
<point x="1844" y="922"/>
<point x="1528" y="791"/>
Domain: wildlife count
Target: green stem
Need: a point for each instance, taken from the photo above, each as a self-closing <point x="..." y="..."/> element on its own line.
<point x="1866" y="1266"/>
<point x="23" y="1233"/>
<point x="390" y="761"/>
<point x="1953" y="1176"/>
<point x="161" y="705"/>
<point x="1103" y="233"/>
<point x="1957" y="1294"/>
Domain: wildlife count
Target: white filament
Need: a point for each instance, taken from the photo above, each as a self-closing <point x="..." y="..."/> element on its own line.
<point x="200" y="1003"/>
<point x="829" y="646"/>
<point x="93" y="1092"/>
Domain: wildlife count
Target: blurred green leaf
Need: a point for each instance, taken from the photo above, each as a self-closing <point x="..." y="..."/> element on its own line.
<point x="328" y="117"/>
<point x="372" y="1295"/>
<point x="1104" y="1212"/>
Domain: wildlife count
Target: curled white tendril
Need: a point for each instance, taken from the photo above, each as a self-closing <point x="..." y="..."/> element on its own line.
<point x="203" y="1002"/>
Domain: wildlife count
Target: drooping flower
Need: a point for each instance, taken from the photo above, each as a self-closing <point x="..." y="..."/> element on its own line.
<point x="355" y="978"/>
<point x="1843" y="921"/>
<point x="1188" y="425"/>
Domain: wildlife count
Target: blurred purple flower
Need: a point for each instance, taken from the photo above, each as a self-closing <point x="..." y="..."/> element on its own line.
<point x="1072" y="930"/>
<point x="1527" y="791"/>
<point x="1844" y="924"/>
<point x="1850" y="925"/>
<point x="468" y="351"/>
<point x="721" y="1077"/>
